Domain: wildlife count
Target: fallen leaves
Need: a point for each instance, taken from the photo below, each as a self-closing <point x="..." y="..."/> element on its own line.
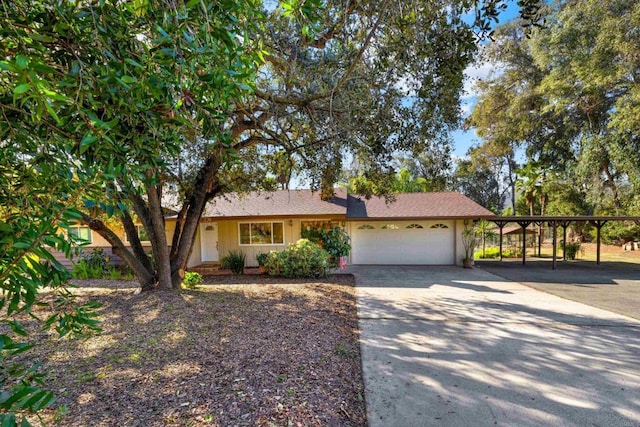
<point x="237" y="351"/>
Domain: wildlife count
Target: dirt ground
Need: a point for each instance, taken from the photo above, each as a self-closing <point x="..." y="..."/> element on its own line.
<point x="237" y="351"/>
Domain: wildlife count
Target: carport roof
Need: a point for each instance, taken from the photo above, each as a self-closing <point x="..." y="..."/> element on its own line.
<point x="417" y="205"/>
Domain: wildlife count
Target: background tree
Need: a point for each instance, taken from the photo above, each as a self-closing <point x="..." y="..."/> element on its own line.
<point x="567" y="96"/>
<point x="479" y="177"/>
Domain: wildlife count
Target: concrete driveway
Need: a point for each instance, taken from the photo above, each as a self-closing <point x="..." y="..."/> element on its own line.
<point x="445" y="346"/>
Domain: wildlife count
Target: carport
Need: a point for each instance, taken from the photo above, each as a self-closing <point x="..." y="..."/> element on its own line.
<point x="554" y="222"/>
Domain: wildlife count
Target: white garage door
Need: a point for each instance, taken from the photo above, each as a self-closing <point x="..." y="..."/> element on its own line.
<point x="403" y="243"/>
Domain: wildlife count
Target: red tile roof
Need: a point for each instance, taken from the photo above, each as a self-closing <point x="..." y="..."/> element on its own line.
<point x="417" y="205"/>
<point x="277" y="203"/>
<point x="305" y="202"/>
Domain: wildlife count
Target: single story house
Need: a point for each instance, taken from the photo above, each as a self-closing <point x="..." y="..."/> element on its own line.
<point x="412" y="228"/>
<point x="415" y="228"/>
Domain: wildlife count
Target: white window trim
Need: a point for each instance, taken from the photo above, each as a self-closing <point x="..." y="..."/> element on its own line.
<point x="260" y="244"/>
<point x="138" y="226"/>
<point x="77" y="227"/>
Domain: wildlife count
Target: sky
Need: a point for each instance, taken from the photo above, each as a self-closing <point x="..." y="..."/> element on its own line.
<point x="462" y="139"/>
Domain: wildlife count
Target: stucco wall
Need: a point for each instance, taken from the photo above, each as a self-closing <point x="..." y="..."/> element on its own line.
<point x="229" y="237"/>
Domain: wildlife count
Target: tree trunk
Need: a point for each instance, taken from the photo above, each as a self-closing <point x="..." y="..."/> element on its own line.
<point x="159" y="238"/>
<point x="206" y="187"/>
<point x="512" y="182"/>
<point x="145" y="276"/>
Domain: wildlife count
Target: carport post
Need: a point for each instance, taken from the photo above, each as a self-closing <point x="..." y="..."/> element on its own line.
<point x="500" y="225"/>
<point x="524" y="225"/>
<point x="564" y="225"/>
<point x="554" y="224"/>
<point x="598" y="224"/>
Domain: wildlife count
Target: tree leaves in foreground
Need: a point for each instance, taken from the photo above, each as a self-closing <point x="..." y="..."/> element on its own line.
<point x="37" y="195"/>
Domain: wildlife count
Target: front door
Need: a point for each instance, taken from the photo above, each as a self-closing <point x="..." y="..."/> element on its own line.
<point x="209" y="241"/>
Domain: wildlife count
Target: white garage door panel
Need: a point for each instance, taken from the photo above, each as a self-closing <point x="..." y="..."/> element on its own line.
<point x="403" y="246"/>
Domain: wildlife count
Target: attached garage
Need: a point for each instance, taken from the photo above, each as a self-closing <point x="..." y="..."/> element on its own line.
<point x="403" y="242"/>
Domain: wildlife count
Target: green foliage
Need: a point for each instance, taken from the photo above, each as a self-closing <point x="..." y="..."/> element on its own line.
<point x="567" y="97"/>
<point x="301" y="259"/>
<point x="192" y="280"/>
<point x="262" y="258"/>
<point x="91" y="265"/>
<point x="493" y="252"/>
<point x="571" y="249"/>
<point x="617" y="233"/>
<point x="234" y="261"/>
<point x="37" y="195"/>
<point x="479" y="179"/>
<point x="334" y="240"/>
<point x="470" y="239"/>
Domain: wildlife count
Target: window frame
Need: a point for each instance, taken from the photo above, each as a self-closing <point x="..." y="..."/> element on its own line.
<point x="366" y="227"/>
<point x="78" y="228"/>
<point x="260" y="244"/>
<point x="138" y="227"/>
<point x="439" y="226"/>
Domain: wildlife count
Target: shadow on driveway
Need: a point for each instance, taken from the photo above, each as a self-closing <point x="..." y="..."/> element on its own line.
<point x="443" y="346"/>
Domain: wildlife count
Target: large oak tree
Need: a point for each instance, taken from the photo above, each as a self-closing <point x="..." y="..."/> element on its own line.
<point x="189" y="99"/>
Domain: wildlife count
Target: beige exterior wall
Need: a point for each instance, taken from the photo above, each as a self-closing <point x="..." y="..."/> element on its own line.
<point x="229" y="237"/>
<point x="97" y="241"/>
<point x="459" y="246"/>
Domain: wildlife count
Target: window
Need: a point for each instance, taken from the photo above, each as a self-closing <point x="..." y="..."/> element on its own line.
<point x="390" y="227"/>
<point x="82" y="233"/>
<point x="142" y="234"/>
<point x="414" y="226"/>
<point x="366" y="227"/>
<point x="439" y="226"/>
<point x="261" y="233"/>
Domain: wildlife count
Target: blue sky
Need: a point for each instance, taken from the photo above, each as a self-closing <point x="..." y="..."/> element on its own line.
<point x="462" y="140"/>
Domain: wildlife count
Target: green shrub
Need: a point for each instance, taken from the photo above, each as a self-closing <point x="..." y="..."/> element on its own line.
<point x="301" y="259"/>
<point x="571" y="249"/>
<point x="114" y="273"/>
<point x="91" y="265"/>
<point x="234" y="261"/>
<point x="493" y="252"/>
<point x="489" y="253"/>
<point x="512" y="253"/>
<point x="336" y="242"/>
<point x="262" y="258"/>
<point x="192" y="279"/>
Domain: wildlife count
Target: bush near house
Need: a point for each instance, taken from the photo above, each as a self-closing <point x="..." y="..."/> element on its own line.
<point x="91" y="265"/>
<point x="234" y="261"/>
<point x="334" y="240"/>
<point x="301" y="259"/>
<point x="192" y="280"/>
